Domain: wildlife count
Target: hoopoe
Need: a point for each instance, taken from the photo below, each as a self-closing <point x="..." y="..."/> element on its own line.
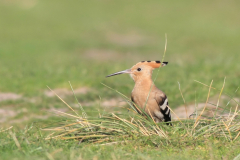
<point x="145" y="94"/>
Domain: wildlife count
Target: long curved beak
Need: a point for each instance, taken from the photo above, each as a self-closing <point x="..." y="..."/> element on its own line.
<point x="121" y="72"/>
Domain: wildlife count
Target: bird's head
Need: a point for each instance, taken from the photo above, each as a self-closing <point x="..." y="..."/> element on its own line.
<point x="141" y="70"/>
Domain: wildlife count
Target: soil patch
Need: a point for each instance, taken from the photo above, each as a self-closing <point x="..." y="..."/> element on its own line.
<point x="5" y="114"/>
<point x="9" y="96"/>
<point x="113" y="102"/>
<point x="210" y="107"/>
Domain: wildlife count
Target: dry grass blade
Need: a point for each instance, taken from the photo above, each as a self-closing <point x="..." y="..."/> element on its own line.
<point x="204" y="106"/>
<point x="228" y="130"/>
<point x="145" y="129"/>
<point x="115" y="91"/>
<point x="234" y="115"/>
<point x="64" y="101"/>
<point x="218" y="89"/>
<point x="83" y="112"/>
<point x="183" y="100"/>
<point x="61" y="134"/>
<point x="237" y="136"/>
<point x="70" y="115"/>
<point x="162" y="133"/>
<point x="49" y="156"/>
<point x="175" y="114"/>
<point x="205" y="84"/>
<point x="15" y="139"/>
<point x="219" y="96"/>
<point x="133" y="126"/>
<point x="6" y="129"/>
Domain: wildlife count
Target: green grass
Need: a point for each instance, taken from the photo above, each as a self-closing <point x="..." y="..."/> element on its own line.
<point x="135" y="148"/>
<point x="123" y="136"/>
<point x="48" y="43"/>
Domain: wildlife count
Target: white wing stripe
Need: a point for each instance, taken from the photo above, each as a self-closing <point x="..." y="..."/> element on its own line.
<point x="164" y="105"/>
<point x="167" y="111"/>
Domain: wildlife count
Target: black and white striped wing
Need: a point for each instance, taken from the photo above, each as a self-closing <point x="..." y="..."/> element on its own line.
<point x="163" y="105"/>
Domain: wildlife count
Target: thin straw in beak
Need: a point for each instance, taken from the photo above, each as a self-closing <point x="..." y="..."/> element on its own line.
<point x="121" y="72"/>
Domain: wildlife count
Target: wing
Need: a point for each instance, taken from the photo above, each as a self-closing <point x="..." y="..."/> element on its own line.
<point x="162" y="102"/>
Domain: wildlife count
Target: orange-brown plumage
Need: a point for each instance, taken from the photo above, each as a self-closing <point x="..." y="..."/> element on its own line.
<point x="145" y="94"/>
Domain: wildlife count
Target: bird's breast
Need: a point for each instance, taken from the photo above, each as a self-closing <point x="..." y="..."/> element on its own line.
<point x="141" y="97"/>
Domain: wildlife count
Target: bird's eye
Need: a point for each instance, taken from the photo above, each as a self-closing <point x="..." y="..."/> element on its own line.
<point x="139" y="69"/>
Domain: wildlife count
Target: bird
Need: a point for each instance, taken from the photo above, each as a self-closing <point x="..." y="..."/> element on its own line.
<point x="145" y="94"/>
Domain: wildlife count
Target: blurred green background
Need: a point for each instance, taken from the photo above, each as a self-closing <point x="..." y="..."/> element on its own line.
<point x="53" y="42"/>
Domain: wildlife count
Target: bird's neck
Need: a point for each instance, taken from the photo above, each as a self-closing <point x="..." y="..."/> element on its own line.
<point x="144" y="83"/>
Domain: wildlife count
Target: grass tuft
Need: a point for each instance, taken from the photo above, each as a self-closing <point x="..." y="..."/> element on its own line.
<point x="114" y="128"/>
